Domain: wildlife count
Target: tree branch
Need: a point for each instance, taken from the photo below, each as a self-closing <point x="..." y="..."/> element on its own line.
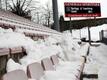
<point x="28" y="5"/>
<point x="23" y="3"/>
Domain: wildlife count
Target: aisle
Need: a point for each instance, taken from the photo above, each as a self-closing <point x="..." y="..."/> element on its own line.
<point x="96" y="63"/>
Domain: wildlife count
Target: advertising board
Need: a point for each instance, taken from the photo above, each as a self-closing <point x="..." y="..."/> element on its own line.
<point x="82" y="9"/>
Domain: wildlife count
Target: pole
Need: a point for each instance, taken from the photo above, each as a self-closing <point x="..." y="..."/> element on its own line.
<point x="70" y="26"/>
<point x="80" y="33"/>
<point x="55" y="15"/>
<point x="89" y="35"/>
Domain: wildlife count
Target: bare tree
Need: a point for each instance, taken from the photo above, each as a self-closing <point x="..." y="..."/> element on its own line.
<point x="36" y="14"/>
<point x="43" y="14"/>
<point x="4" y="4"/>
<point x="18" y="7"/>
<point x="47" y="12"/>
<point x="0" y="4"/>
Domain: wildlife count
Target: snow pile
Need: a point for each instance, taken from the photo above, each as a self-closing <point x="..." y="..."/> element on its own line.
<point x="40" y="50"/>
<point x="91" y="68"/>
<point x="83" y="50"/>
<point x="11" y="66"/>
<point x="8" y="39"/>
<point x="76" y="34"/>
<point x="66" y="67"/>
<point x="37" y="50"/>
<point x="68" y="39"/>
<point x="102" y="74"/>
<point x="68" y="71"/>
<point x="72" y="50"/>
<point x="58" y="75"/>
<point x="50" y="40"/>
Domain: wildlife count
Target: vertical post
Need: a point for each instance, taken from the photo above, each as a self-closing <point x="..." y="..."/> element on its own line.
<point x="102" y="33"/>
<point x="89" y="35"/>
<point x="70" y="26"/>
<point x="80" y="33"/>
<point x="55" y="15"/>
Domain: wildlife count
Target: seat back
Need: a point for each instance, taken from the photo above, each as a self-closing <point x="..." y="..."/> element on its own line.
<point x="54" y="60"/>
<point x="47" y="64"/>
<point x="4" y="56"/>
<point x="17" y="53"/>
<point x="35" y="71"/>
<point x="15" y="75"/>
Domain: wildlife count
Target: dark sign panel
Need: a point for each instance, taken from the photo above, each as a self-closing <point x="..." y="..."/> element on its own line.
<point x="82" y="9"/>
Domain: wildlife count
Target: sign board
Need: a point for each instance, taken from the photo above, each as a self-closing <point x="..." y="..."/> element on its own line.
<point x="82" y="9"/>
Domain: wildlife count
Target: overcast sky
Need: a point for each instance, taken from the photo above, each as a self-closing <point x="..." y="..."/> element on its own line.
<point x="61" y="5"/>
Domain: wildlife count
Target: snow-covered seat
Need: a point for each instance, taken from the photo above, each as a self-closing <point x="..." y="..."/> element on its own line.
<point x="77" y="64"/>
<point x="36" y="72"/>
<point x="47" y="65"/>
<point x="67" y="65"/>
<point x="15" y="75"/>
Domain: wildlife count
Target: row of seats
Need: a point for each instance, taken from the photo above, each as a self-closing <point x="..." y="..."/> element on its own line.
<point x="23" y="23"/>
<point x="34" y="30"/>
<point x="32" y="35"/>
<point x="46" y="69"/>
<point x="11" y="51"/>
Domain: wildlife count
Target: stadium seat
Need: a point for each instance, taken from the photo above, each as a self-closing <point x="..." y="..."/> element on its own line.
<point x="15" y="75"/>
<point x="47" y="64"/>
<point x="35" y="71"/>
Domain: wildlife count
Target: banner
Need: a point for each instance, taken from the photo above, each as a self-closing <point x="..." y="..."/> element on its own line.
<point x="82" y="9"/>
